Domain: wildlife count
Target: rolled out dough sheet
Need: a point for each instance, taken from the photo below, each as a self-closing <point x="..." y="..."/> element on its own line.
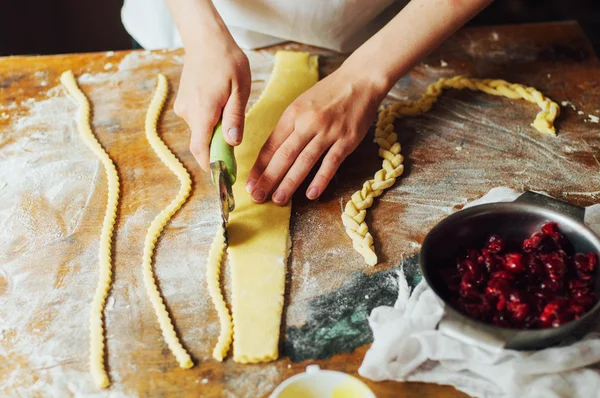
<point x="258" y="235"/>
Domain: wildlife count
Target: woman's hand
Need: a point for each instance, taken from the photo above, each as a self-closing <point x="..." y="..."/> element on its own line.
<point x="329" y="119"/>
<point x="215" y="81"/>
<point x="333" y="117"/>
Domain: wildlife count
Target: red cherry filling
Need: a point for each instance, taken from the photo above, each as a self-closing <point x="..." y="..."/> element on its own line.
<point x="495" y="244"/>
<point x="513" y="262"/>
<point x="537" y="286"/>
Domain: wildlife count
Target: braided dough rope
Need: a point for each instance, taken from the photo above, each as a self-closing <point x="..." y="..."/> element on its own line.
<point x="161" y="220"/>
<point x="389" y="147"/>
<point x="104" y="256"/>
<point x="213" y="275"/>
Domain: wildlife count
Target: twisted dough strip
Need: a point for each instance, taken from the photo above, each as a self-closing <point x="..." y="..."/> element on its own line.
<point x="213" y="274"/>
<point x="389" y="148"/>
<point x="104" y="256"/>
<point x="161" y="220"/>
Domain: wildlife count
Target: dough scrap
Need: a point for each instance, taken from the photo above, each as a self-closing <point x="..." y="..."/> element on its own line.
<point x="213" y="277"/>
<point x="258" y="235"/>
<point x="104" y="256"/>
<point x="389" y="147"/>
<point x="159" y="222"/>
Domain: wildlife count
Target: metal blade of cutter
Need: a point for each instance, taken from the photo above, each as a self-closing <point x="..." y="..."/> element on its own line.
<point x="223" y="168"/>
<point x="222" y="180"/>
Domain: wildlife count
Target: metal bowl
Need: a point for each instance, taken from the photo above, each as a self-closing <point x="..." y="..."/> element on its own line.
<point x="514" y="221"/>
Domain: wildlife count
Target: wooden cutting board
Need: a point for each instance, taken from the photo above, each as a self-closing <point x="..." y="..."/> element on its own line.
<point x="53" y="193"/>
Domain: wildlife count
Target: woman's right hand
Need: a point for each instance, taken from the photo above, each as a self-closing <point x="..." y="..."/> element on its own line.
<point x="215" y="82"/>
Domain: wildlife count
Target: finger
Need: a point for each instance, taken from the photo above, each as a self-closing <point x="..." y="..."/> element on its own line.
<point x="279" y="165"/>
<point x="202" y="126"/>
<point x="276" y="139"/>
<point x="233" y="118"/>
<point x="331" y="163"/>
<point x="299" y="170"/>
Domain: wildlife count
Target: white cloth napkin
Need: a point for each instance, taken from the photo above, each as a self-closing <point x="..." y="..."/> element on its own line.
<point x="407" y="346"/>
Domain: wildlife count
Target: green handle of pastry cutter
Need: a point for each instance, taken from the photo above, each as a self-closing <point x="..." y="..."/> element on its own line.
<point x="221" y="150"/>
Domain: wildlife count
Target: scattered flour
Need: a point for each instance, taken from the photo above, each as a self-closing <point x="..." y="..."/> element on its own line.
<point x="49" y="180"/>
<point x="110" y="303"/>
<point x="92" y="78"/>
<point x="593" y="119"/>
<point x="569" y="104"/>
<point x="443" y="63"/>
<point x="52" y="194"/>
<point x="262" y="378"/>
<point x="308" y="283"/>
<point x="52" y="184"/>
<point x="108" y="66"/>
<point x="139" y="58"/>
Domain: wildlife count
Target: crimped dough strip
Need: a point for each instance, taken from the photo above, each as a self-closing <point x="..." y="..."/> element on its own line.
<point x="389" y="147"/>
<point x="104" y="257"/>
<point x="258" y="235"/>
<point x="161" y="220"/>
<point x="213" y="276"/>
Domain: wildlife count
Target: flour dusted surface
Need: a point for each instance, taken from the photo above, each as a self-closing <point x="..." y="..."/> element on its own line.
<point x="52" y="192"/>
<point x="47" y="266"/>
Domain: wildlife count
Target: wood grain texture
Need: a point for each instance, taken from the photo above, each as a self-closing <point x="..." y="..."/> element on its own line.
<point x="52" y="197"/>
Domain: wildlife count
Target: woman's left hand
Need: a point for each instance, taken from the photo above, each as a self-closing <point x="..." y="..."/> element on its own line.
<point x="330" y="118"/>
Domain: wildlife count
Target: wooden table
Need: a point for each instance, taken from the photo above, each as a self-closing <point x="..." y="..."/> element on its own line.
<point x="53" y="192"/>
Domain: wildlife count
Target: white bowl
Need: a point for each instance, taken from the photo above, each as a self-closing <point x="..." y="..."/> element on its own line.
<point x="317" y="383"/>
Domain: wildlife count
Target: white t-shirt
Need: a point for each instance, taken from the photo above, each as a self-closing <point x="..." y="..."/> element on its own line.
<point x="340" y="25"/>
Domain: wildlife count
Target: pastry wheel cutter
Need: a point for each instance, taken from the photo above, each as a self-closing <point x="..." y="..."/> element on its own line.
<point x="223" y="170"/>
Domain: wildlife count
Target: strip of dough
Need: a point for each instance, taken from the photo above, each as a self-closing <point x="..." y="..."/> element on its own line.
<point x="104" y="256"/>
<point x="258" y="235"/>
<point x="389" y="147"/>
<point x="213" y="277"/>
<point x="161" y="220"/>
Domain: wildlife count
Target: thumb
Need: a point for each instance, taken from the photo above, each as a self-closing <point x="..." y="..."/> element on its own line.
<point x="233" y="119"/>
